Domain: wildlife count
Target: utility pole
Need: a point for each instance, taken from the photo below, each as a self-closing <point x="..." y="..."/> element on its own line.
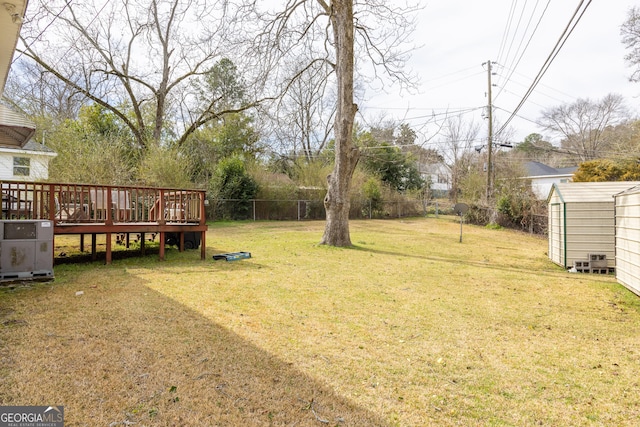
<point x="489" y="137"/>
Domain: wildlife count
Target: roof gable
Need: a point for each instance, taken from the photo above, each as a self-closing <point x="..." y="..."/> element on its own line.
<point x="15" y="129"/>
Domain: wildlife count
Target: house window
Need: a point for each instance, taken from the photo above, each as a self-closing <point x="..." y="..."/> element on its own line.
<point x="21" y="166"/>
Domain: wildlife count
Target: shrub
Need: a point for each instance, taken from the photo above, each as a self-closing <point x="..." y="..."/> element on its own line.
<point x="164" y="167"/>
<point x="232" y="182"/>
<point x="372" y="192"/>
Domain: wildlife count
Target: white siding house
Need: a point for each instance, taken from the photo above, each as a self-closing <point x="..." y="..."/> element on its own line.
<point x="438" y="175"/>
<point x="543" y="177"/>
<point x="15" y="129"/>
<point x="581" y="221"/>
<point x="627" y="212"/>
<point x="29" y="163"/>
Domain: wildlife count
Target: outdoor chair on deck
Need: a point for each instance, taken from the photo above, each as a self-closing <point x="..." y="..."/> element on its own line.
<point x="120" y="209"/>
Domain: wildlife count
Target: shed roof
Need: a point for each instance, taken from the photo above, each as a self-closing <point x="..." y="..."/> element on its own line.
<point x="632" y="190"/>
<point x="585" y="192"/>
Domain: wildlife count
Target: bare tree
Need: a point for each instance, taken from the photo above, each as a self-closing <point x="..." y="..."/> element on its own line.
<point x="140" y="58"/>
<point x="623" y="141"/>
<point x="581" y="125"/>
<point x="332" y="32"/>
<point x="305" y="114"/>
<point x="457" y="149"/>
<point x="337" y="201"/>
<point x="630" y="31"/>
<point x="45" y="96"/>
<point x="137" y="58"/>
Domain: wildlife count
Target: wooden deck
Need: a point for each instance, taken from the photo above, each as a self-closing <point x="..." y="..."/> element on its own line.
<point x="85" y="209"/>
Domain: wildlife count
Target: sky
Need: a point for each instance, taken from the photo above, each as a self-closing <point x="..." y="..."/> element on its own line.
<point x="455" y="38"/>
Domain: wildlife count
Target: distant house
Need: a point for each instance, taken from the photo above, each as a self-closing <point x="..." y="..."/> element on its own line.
<point x="439" y="175"/>
<point x="543" y="177"/>
<point x="29" y="163"/>
<point x="21" y="159"/>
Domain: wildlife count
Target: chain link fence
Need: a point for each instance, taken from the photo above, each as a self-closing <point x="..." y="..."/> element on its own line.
<point x="300" y="210"/>
<point x="535" y="222"/>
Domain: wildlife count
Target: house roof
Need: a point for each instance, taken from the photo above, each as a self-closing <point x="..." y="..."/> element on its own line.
<point x="30" y="147"/>
<point x="537" y="169"/>
<point x="433" y="168"/>
<point x="585" y="192"/>
<point x="15" y="129"/>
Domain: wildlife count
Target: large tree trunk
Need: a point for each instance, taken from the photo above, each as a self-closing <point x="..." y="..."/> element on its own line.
<point x="337" y="202"/>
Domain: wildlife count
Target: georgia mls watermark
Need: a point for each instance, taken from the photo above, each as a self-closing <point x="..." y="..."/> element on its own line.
<point x="31" y="416"/>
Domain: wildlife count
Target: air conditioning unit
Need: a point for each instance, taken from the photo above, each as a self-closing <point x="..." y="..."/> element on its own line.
<point x="26" y="249"/>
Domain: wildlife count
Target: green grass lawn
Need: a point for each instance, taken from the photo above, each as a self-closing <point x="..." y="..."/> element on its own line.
<point x="409" y="327"/>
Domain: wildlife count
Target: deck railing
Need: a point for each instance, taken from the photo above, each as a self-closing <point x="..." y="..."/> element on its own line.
<point x="107" y="204"/>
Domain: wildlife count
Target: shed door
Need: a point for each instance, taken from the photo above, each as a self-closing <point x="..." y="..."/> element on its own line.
<point x="556" y="233"/>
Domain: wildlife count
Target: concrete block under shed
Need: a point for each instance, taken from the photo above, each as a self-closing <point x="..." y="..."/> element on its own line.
<point x="598" y="260"/>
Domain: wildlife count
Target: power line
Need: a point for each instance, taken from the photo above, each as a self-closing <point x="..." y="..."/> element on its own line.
<point x="67" y="4"/>
<point x="424" y="120"/>
<point x="444" y="76"/>
<point x="524" y="33"/>
<point x="517" y="62"/>
<point x="507" y="30"/>
<point x="446" y="113"/>
<point x="517" y="115"/>
<point x="538" y="91"/>
<point x="517" y="28"/>
<point x="453" y="81"/>
<point x="554" y="53"/>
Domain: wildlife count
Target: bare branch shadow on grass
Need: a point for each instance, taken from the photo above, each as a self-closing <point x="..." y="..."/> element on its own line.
<point x="122" y="353"/>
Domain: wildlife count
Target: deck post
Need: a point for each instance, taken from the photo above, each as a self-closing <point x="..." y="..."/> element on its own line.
<point x="162" y="245"/>
<point x="109" y="209"/>
<point x="161" y="219"/>
<point x="203" y="221"/>
<point x="203" y="245"/>
<point x="108" y="248"/>
<point x="52" y="203"/>
<point x="142" y="247"/>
